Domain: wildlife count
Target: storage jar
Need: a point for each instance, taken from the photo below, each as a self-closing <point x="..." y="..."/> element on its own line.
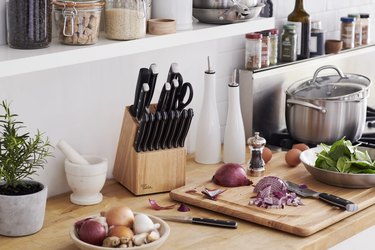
<point x="253" y="53"/>
<point x="78" y="22"/>
<point x="274" y="45"/>
<point x="365" y="21"/>
<point x="265" y="61"/>
<point x="29" y="23"/>
<point x="347" y="32"/>
<point x="125" y="19"/>
<point x="288" y="51"/>
<point x="357" y="29"/>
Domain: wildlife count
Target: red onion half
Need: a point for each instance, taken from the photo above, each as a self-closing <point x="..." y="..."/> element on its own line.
<point x="231" y="175"/>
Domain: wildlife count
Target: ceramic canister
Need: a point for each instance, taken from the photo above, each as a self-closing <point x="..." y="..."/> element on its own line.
<point x="179" y="10"/>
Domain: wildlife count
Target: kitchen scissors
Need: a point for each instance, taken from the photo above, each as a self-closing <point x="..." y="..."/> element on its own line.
<point x="185" y="91"/>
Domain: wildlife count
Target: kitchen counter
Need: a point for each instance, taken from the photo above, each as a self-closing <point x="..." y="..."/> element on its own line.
<point x="61" y="214"/>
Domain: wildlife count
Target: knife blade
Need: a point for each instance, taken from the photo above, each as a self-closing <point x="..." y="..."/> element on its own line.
<point x="140" y="133"/>
<point x="160" y="131"/>
<point x="186" y="127"/>
<point x="168" y="125"/>
<point x="163" y="98"/>
<point x="172" y="132"/>
<point x="328" y="198"/>
<point x="201" y="221"/>
<point x="143" y="77"/>
<point x="148" y="129"/>
<point x="152" y="82"/>
<point x="155" y="127"/>
<point x="171" y="103"/>
<point x="181" y="124"/>
<point x="142" y="100"/>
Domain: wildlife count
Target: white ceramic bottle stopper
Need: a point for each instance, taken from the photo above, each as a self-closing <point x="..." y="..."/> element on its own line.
<point x="71" y="154"/>
<point x="256" y="145"/>
<point x="208" y="142"/>
<point x="234" y="137"/>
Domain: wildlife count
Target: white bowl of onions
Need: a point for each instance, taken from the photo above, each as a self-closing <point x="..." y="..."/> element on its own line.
<point x="146" y="233"/>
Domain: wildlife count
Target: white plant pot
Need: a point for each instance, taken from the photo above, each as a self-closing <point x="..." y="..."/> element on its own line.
<point x="22" y="214"/>
<point x="86" y="181"/>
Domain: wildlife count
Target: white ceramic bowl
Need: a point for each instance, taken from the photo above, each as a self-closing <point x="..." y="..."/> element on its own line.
<point x="346" y="180"/>
<point x="164" y="233"/>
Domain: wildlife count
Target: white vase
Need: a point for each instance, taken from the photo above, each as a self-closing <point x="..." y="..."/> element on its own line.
<point x="22" y="215"/>
<point x="86" y="181"/>
<point x="179" y="10"/>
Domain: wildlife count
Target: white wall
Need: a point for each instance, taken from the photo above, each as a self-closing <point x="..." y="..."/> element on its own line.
<point x="84" y="103"/>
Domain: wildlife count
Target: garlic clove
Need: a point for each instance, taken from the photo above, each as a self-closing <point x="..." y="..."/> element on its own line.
<point x="142" y="224"/>
<point x="153" y="236"/>
<point x="140" y="239"/>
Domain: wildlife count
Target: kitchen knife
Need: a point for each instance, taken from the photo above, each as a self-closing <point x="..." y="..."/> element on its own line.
<point x="143" y="77"/>
<point x="152" y="82"/>
<point x="140" y="133"/>
<point x="162" y="103"/>
<point x="155" y="127"/>
<point x="186" y="127"/>
<point x="172" y="98"/>
<point x="168" y="125"/>
<point x="181" y="124"/>
<point x="141" y="102"/>
<point x="329" y="198"/>
<point x="173" y="72"/>
<point x="148" y="130"/>
<point x="201" y="221"/>
<point x="173" y="130"/>
<point x="160" y="131"/>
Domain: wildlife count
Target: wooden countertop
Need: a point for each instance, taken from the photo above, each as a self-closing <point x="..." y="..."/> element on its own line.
<point x="61" y="214"/>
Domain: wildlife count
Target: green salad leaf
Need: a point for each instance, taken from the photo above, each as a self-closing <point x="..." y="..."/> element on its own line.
<point x="343" y="157"/>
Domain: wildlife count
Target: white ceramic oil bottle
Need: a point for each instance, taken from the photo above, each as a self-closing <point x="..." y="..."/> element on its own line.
<point x="208" y="142"/>
<point x="234" y="137"/>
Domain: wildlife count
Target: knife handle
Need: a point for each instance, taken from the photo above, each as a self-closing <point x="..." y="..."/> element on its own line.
<point x="338" y="201"/>
<point x="214" y="222"/>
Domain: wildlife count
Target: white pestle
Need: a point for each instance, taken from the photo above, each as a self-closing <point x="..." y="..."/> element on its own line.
<point x="70" y="153"/>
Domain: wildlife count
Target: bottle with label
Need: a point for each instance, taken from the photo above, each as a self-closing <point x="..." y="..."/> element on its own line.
<point x="357" y="29"/>
<point x="316" y="39"/>
<point x="301" y="19"/>
<point x="347" y="32"/>
<point x="365" y="21"/>
<point x="265" y="48"/>
<point x="208" y="143"/>
<point x="288" y="52"/>
<point x="234" y="137"/>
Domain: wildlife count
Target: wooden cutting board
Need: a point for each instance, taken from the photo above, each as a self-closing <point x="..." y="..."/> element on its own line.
<point x="304" y="220"/>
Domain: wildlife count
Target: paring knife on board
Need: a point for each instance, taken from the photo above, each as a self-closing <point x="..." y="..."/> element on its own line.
<point x="201" y="221"/>
<point x="329" y="198"/>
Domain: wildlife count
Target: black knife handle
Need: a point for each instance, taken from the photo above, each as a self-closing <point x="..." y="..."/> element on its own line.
<point x="171" y="103"/>
<point x="150" y="124"/>
<point x="173" y="130"/>
<point x="154" y="75"/>
<point x="163" y="98"/>
<point x="180" y="128"/>
<point x="214" y="222"/>
<point x="168" y="125"/>
<point x="338" y="201"/>
<point x="186" y="127"/>
<point x="140" y="133"/>
<point x="160" y="131"/>
<point x="143" y="77"/>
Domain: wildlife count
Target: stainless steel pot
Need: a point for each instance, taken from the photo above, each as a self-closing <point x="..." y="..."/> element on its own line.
<point x="221" y="4"/>
<point x="326" y="108"/>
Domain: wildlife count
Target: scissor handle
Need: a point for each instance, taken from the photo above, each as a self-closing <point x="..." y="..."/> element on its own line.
<point x="182" y="94"/>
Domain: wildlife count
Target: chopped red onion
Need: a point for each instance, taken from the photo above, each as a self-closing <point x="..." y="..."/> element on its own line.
<point x="183" y="208"/>
<point x="155" y="206"/>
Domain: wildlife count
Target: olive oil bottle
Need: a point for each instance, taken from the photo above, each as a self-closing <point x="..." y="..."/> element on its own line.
<point x="301" y="19"/>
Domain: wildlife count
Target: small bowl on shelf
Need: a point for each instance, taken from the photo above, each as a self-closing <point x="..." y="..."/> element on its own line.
<point x="333" y="46"/>
<point x="161" y="26"/>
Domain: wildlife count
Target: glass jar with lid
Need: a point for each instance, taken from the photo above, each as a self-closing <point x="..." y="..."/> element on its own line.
<point x="357" y="29"/>
<point x="365" y="22"/>
<point x="347" y="32"/>
<point x="288" y="52"/>
<point x="125" y="19"/>
<point x="253" y="53"/>
<point x="29" y="23"/>
<point x="274" y="41"/>
<point x="78" y="22"/>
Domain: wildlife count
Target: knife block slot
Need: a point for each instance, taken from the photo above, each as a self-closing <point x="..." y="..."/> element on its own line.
<point x="146" y="172"/>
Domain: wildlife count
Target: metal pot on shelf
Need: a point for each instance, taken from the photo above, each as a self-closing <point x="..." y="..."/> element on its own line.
<point x="327" y="108"/>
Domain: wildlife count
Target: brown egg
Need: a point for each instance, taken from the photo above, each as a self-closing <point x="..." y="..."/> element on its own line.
<point x="292" y="157"/>
<point x="301" y="146"/>
<point x="266" y="154"/>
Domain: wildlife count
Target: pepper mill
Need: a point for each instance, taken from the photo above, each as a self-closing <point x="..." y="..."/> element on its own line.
<point x="256" y="145"/>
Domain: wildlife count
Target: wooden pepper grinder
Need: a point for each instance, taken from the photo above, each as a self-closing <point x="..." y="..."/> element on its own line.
<point x="256" y="145"/>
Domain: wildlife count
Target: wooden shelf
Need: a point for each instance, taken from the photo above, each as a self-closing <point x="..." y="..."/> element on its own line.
<point x="14" y="61"/>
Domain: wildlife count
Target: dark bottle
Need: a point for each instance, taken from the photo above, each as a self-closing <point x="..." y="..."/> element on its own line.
<point x="301" y="19"/>
<point x="317" y="39"/>
<point x="29" y="23"/>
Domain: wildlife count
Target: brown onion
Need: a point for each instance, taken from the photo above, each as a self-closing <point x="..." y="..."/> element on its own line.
<point x="92" y="232"/>
<point x="120" y="216"/>
<point x="231" y="175"/>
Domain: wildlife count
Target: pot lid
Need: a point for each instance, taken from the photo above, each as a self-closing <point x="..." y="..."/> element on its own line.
<point x="341" y="86"/>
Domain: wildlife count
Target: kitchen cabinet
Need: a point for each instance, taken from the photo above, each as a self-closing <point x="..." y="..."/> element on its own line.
<point x="15" y="62"/>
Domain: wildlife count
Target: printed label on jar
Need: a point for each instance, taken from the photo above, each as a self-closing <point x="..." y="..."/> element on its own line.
<point x="299" y="34"/>
<point x="313" y="44"/>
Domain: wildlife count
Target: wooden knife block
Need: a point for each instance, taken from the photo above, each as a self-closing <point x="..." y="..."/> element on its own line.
<point x="147" y="172"/>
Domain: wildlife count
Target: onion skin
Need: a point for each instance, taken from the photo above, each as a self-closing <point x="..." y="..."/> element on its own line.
<point x="92" y="232"/>
<point x="120" y="216"/>
<point x="231" y="175"/>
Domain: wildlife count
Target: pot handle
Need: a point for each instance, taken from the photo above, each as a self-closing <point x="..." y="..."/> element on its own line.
<point x="306" y="104"/>
<point x="339" y="72"/>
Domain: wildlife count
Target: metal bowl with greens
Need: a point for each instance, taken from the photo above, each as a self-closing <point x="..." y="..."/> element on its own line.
<point x="341" y="164"/>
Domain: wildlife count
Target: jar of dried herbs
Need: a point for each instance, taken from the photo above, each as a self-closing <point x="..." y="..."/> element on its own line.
<point x="29" y="23"/>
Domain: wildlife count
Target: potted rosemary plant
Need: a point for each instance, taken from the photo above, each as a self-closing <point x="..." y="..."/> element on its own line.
<point x="22" y="200"/>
